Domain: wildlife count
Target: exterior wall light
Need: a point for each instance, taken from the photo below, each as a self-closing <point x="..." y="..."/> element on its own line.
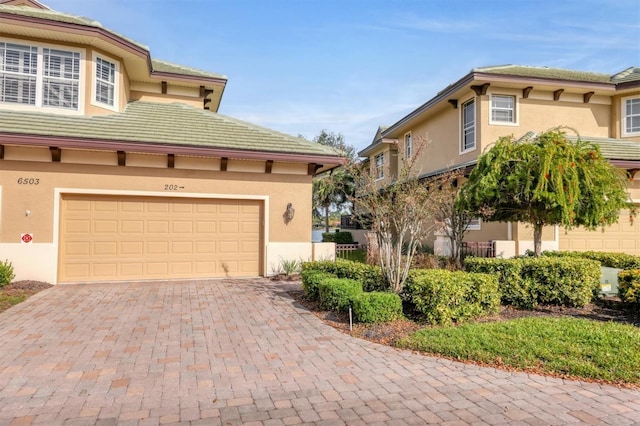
<point x="290" y="212"/>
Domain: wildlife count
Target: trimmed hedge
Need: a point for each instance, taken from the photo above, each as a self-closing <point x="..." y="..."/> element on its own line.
<point x="338" y="237"/>
<point x="337" y="294"/>
<point x="441" y="296"/>
<point x="370" y="276"/>
<point x="528" y="281"/>
<point x="6" y="273"/>
<point x="608" y="259"/>
<point x="629" y="285"/>
<point x="376" y="307"/>
<point x="311" y="280"/>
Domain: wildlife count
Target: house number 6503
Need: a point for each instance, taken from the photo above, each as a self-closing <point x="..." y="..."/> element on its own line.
<point x="28" y="181"/>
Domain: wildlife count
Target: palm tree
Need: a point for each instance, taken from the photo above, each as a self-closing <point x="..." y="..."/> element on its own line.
<point x="332" y="190"/>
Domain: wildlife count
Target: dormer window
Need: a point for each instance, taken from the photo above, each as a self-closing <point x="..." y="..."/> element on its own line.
<point x="39" y="76"/>
<point x="105" y="84"/>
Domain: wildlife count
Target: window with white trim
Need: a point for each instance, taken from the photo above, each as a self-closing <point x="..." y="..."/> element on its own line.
<point x="407" y="145"/>
<point x="18" y="69"/>
<point x="631" y="116"/>
<point x="475" y="224"/>
<point x="503" y="109"/>
<point x="379" y="166"/>
<point x="105" y="85"/>
<point x="39" y="76"/>
<point x="468" y="112"/>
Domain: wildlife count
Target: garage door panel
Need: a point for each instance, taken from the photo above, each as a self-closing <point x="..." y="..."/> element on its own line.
<point x="121" y="238"/>
<point x="158" y="226"/>
<point x="158" y="247"/>
<point x="623" y="236"/>
<point x="101" y="226"/>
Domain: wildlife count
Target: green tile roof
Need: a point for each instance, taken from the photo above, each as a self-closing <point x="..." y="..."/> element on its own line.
<point x="162" y="124"/>
<point x="544" y="72"/>
<point x="630" y="74"/>
<point x="612" y="149"/>
<point x="164" y="66"/>
<point x="52" y="15"/>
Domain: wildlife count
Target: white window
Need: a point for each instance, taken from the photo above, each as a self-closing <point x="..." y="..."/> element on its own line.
<point x="105" y="84"/>
<point x="503" y="109"/>
<point x="379" y="165"/>
<point x="475" y="224"/>
<point x="18" y="69"/>
<point x="39" y="76"/>
<point x="468" y="142"/>
<point x="631" y="116"/>
<point x="407" y="145"/>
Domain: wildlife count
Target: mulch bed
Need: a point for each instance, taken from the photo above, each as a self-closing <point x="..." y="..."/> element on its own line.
<point x="26" y="285"/>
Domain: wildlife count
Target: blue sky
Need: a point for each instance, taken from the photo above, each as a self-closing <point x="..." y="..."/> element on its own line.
<point x="348" y="66"/>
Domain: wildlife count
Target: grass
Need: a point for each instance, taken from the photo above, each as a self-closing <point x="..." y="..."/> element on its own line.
<point x="359" y="255"/>
<point x="569" y="347"/>
<point x="8" y="300"/>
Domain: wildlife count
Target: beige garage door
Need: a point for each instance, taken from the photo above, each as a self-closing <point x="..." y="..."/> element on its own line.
<point x="106" y="238"/>
<point x="621" y="237"/>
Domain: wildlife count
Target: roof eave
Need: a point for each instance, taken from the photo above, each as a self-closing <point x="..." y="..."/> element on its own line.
<point x="156" y="148"/>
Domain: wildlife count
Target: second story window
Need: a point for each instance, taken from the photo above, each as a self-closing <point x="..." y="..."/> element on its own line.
<point x="61" y="78"/>
<point x="18" y="69"/>
<point x="39" y="76"/>
<point x="407" y="145"/>
<point x="631" y="116"/>
<point x="503" y="109"/>
<point x="468" y="142"/>
<point x="105" y="81"/>
<point x="379" y="166"/>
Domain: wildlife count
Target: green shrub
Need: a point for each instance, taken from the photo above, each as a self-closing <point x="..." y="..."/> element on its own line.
<point x="441" y="296"/>
<point x="337" y="237"/>
<point x="629" y="285"/>
<point x="337" y="294"/>
<point x="370" y="276"/>
<point x="527" y="281"/>
<point x="376" y="307"/>
<point x="311" y="280"/>
<point x="6" y="273"/>
<point x="608" y="259"/>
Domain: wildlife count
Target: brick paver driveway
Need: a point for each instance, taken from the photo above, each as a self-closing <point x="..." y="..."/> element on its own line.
<point x="241" y="352"/>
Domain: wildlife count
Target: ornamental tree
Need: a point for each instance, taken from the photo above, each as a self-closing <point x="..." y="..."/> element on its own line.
<point x="546" y="180"/>
<point x="400" y="215"/>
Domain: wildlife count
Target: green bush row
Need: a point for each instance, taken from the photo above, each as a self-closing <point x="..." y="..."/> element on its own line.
<point x="441" y="296"/>
<point x="629" y="285"/>
<point x="6" y="273"/>
<point x="608" y="259"/>
<point x="377" y="307"/>
<point x="311" y="279"/>
<point x="337" y="237"/>
<point x="338" y="294"/>
<point x="526" y="282"/>
<point x="370" y="276"/>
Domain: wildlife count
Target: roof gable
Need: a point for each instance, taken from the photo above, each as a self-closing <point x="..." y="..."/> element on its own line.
<point x="25" y="3"/>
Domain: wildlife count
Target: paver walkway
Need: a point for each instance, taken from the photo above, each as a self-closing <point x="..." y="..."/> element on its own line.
<point x="242" y="352"/>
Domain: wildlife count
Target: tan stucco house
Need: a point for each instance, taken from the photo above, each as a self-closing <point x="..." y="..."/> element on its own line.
<point x="465" y="118"/>
<point x="117" y="166"/>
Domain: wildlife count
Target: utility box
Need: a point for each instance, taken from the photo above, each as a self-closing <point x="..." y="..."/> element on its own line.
<point x="609" y="281"/>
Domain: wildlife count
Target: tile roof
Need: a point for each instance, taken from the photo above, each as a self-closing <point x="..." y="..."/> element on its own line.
<point x="630" y="74"/>
<point x="612" y="149"/>
<point x="52" y="15"/>
<point x="164" y="66"/>
<point x="544" y="72"/>
<point x="172" y="124"/>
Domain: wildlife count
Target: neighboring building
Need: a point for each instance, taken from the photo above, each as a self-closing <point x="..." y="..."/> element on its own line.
<point x="117" y="166"/>
<point x="466" y="117"/>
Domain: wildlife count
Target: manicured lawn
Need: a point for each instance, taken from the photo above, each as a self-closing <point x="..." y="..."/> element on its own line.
<point x="359" y="255"/>
<point x="565" y="346"/>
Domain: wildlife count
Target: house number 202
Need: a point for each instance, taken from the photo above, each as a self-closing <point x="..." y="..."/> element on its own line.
<point x="172" y="187"/>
